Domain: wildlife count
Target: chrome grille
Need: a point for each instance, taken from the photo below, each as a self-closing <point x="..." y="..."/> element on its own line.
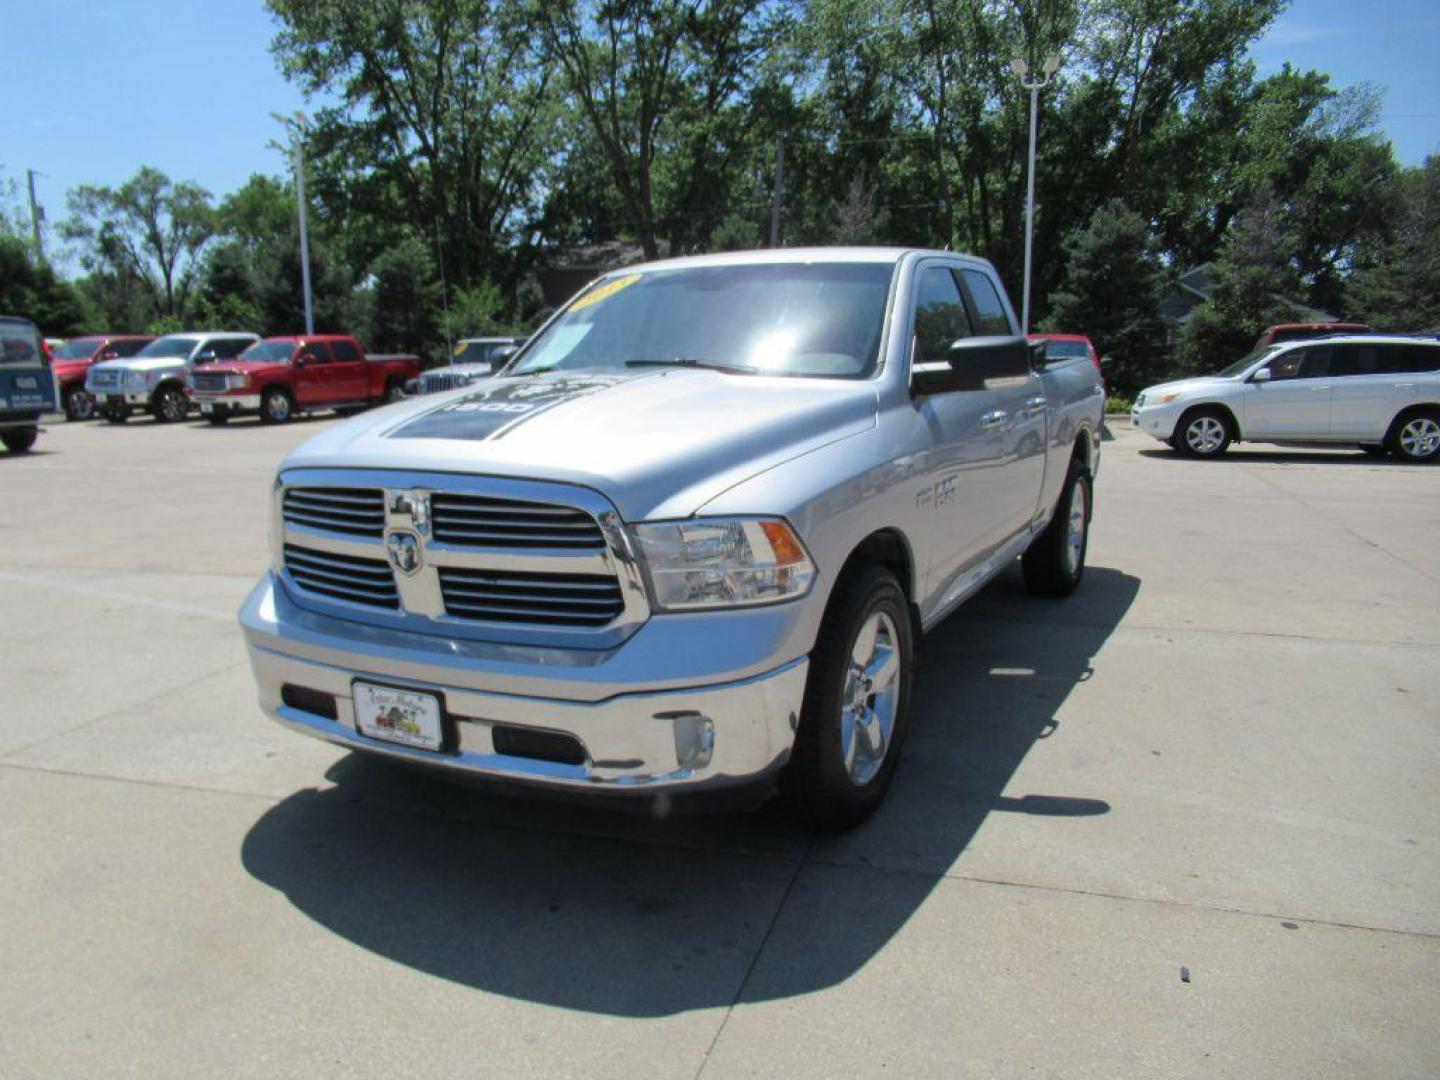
<point x="479" y="521"/>
<point x="551" y="599"/>
<point x="208" y="383"/>
<point x="353" y="511"/>
<point x="343" y="577"/>
<point x="432" y="382"/>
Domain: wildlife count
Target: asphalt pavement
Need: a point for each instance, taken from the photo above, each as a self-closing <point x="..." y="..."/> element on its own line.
<point x="1184" y="824"/>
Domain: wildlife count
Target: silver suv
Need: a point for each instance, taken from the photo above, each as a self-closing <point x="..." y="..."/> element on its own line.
<point x="1379" y="392"/>
<point x="688" y="537"/>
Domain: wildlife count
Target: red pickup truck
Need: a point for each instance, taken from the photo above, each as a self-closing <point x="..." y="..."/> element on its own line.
<point x="73" y="359"/>
<point x="281" y="376"/>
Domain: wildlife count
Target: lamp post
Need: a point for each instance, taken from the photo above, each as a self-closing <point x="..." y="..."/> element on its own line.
<point x="1021" y="68"/>
<point x="296" y="125"/>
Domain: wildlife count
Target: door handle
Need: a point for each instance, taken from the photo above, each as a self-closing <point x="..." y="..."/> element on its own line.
<point x="1314" y="388"/>
<point x="993" y="420"/>
<point x="1036" y="404"/>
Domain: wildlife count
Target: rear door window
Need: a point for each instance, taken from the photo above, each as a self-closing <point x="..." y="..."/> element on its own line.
<point x="990" y="316"/>
<point x="344" y="352"/>
<point x="229" y="348"/>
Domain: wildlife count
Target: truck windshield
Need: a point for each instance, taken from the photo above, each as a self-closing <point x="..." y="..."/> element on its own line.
<point x="272" y="351"/>
<point x="812" y="319"/>
<point x="81" y="348"/>
<point x="168" y="346"/>
<point x="1244" y="362"/>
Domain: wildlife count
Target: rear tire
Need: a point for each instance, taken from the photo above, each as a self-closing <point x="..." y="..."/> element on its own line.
<point x="856" y="709"/>
<point x="275" y="407"/>
<point x="18" y="442"/>
<point x="1415" y="436"/>
<point x="79" y="404"/>
<point x="1203" y="433"/>
<point x="1055" y="562"/>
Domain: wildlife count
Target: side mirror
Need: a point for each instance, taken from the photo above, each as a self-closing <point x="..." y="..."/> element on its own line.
<point x="302" y="360"/>
<point x="975" y="363"/>
<point x="1262" y="376"/>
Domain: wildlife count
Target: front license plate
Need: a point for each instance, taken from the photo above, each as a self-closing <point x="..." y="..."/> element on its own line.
<point x="407" y="717"/>
<point x="115" y="399"/>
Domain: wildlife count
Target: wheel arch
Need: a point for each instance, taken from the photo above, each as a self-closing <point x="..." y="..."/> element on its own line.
<point x="888" y="547"/>
<point x="1225" y="411"/>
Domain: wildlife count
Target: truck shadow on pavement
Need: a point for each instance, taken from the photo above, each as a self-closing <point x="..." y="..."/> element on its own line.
<point x="583" y="906"/>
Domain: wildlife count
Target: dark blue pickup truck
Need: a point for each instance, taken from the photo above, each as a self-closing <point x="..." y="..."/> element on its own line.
<point x="27" y="383"/>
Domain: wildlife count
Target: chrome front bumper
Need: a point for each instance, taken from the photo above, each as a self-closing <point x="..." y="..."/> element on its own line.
<point x="231" y="402"/>
<point x="636" y="738"/>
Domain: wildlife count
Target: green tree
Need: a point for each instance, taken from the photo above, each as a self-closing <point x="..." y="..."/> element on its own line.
<point x="1396" y="285"/>
<point x="447" y="123"/>
<point x="30" y="288"/>
<point x="406" y="301"/>
<point x="1111" y="294"/>
<point x="150" y="229"/>
<point x="1255" y="283"/>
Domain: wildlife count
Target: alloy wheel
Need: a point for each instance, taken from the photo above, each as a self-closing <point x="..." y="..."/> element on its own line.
<point x="1075" y="528"/>
<point x="1420" y="437"/>
<point x="870" y="699"/>
<point x="1204" y="434"/>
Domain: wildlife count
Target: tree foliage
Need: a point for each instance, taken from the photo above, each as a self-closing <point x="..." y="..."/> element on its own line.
<point x="150" y="229"/>
<point x="1111" y="293"/>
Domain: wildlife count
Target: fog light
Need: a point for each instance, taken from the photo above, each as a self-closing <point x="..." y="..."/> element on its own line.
<point x="694" y="738"/>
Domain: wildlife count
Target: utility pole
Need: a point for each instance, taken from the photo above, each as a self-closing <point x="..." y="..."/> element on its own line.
<point x="295" y="125"/>
<point x="37" y="215"/>
<point x="777" y="194"/>
<point x="1021" y="68"/>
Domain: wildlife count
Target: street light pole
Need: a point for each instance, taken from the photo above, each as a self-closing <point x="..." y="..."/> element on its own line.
<point x="1021" y="68"/>
<point x="295" y="126"/>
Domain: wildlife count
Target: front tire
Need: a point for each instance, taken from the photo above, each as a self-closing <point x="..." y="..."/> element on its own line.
<point x="170" y="405"/>
<point x="1415" y="436"/>
<point x="1203" y="433"/>
<point x="857" y="702"/>
<point x="394" y="391"/>
<point x="276" y="407"/>
<point x="79" y="404"/>
<point x="18" y="442"/>
<point x="1055" y="562"/>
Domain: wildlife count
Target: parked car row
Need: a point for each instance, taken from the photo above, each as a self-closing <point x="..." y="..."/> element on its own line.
<point x="230" y="373"/>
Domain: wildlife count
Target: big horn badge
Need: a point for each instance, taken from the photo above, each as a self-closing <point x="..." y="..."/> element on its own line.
<point x="404" y="551"/>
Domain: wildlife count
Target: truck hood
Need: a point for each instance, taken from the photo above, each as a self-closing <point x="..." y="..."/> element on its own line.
<point x="142" y="363"/>
<point x="658" y="444"/>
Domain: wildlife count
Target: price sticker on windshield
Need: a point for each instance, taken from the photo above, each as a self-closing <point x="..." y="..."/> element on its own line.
<point x="604" y="292"/>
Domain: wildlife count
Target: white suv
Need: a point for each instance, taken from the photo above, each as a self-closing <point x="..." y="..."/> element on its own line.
<point x="1378" y="392"/>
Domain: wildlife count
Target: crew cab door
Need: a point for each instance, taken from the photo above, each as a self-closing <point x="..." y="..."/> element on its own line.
<point x="1295" y="402"/>
<point x="1021" y="397"/>
<point x="352" y="373"/>
<point x="315" y="375"/>
<point x="961" y="475"/>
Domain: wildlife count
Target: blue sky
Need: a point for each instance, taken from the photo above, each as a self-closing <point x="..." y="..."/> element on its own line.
<point x="93" y="89"/>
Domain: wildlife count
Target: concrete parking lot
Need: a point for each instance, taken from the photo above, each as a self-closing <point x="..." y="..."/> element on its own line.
<point x="1184" y="824"/>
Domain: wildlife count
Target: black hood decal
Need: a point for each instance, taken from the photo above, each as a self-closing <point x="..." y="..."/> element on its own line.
<point x="494" y="408"/>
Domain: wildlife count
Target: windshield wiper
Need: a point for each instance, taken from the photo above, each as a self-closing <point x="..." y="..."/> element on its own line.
<point x="694" y="362"/>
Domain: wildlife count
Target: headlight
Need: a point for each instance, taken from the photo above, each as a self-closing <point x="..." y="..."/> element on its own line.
<point x="723" y="562"/>
<point x="237" y="382"/>
<point x="135" y="380"/>
<point x="1140" y="400"/>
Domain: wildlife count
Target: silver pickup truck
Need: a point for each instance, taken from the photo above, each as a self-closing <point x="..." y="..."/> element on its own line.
<point x="688" y="538"/>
